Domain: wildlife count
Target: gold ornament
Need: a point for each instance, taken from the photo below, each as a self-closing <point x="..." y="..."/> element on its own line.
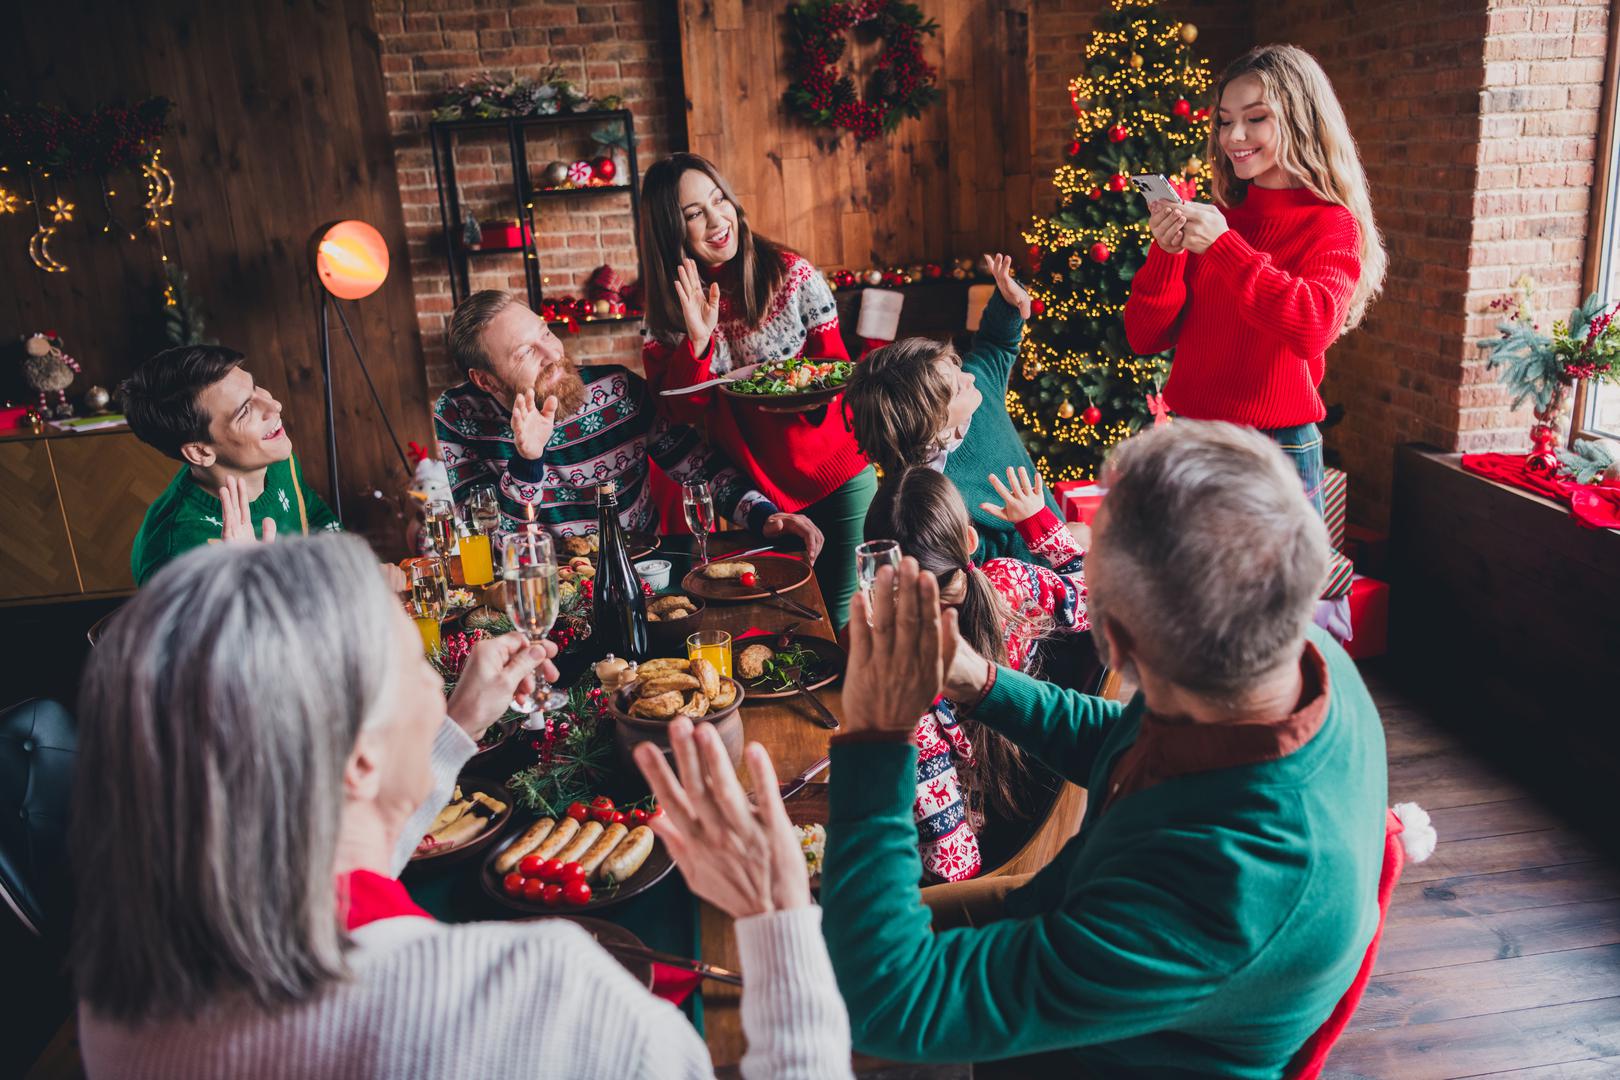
<point x="1136" y="61"/>
<point x="1074" y="260"/>
<point x="1189" y="33"/>
<point x="1066" y="410"/>
<point x="1195" y="165"/>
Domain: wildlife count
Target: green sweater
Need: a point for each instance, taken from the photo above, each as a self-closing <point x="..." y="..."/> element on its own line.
<point x="992" y="442"/>
<point x="187" y="515"/>
<point x="1204" y="926"/>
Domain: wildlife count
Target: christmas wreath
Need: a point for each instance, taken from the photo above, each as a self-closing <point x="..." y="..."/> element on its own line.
<point x="821" y="95"/>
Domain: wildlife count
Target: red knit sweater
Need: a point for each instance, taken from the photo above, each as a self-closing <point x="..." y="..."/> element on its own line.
<point x="795" y="458"/>
<point x="1251" y="318"/>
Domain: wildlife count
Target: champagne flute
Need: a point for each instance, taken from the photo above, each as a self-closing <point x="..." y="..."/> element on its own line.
<point x="440" y="516"/>
<point x="429" y="599"/>
<point x="870" y="557"/>
<point x="485" y="508"/>
<point x="529" y="571"/>
<point x="698" y="503"/>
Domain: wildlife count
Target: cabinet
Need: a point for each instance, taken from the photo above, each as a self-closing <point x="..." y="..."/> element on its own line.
<point x="72" y="505"/>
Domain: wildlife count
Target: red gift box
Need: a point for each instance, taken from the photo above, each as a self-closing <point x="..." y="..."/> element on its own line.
<point x="1369" y="618"/>
<point x="13" y="416"/>
<point x="502" y="235"/>
<point x="1078" y="501"/>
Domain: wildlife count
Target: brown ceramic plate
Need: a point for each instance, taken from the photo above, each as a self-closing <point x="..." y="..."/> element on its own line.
<point x="803" y="399"/>
<point x="607" y="934"/>
<point x="449" y="856"/>
<point x="826" y="668"/>
<point x="654" y="870"/>
<point x="669" y="635"/>
<point x="783" y="573"/>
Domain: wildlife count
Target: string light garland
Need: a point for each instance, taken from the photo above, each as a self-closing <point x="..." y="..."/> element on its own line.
<point x="1139" y="108"/>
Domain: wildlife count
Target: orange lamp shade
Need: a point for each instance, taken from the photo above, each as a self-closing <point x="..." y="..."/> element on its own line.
<point x="351" y="260"/>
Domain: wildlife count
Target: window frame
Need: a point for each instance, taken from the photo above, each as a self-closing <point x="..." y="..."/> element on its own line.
<point x="1601" y="263"/>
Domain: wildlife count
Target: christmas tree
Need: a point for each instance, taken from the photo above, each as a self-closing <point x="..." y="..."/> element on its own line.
<point x="1139" y="108"/>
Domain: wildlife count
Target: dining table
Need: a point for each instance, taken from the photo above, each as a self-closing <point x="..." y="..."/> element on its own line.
<point x="668" y="915"/>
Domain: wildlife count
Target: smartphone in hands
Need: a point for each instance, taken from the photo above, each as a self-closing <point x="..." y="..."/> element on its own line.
<point x="1155" y="188"/>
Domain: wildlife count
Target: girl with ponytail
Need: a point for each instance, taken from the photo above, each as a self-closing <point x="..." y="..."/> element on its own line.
<point x="1004" y="609"/>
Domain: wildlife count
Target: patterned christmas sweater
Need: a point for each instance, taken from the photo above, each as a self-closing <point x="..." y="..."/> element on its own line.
<point x="187" y="515"/>
<point x="612" y="436"/>
<point x="1044" y="600"/>
<point x="795" y="458"/>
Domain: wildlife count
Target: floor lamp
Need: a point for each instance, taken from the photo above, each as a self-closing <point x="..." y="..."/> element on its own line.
<point x="351" y="263"/>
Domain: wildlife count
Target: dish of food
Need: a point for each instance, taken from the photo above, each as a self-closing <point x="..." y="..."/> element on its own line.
<point x="761" y="661"/>
<point x="665" y="689"/>
<point x="477" y="811"/>
<point x="813" y="842"/>
<point x="591" y="857"/>
<point x="793" y="378"/>
<point x="746" y="579"/>
<point x="671" y="607"/>
<point x="584" y="546"/>
<point x="460" y="599"/>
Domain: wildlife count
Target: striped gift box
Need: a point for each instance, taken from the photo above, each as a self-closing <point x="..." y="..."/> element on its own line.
<point x="1335" y="492"/>
<point x="1341" y="575"/>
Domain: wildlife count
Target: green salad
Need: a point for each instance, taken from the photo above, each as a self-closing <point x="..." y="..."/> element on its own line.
<point x="795" y="376"/>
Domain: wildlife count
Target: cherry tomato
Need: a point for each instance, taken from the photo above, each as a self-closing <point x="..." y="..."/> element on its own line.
<point x="571" y="872"/>
<point x="657" y="811"/>
<point x="576" y="894"/>
<point x="529" y="865"/>
<point x="602" y="809"/>
<point x="549" y="870"/>
<point x="749" y="578"/>
<point x="533" y="889"/>
<point x="639" y="816"/>
<point x="513" y="884"/>
<point x="579" y="811"/>
<point x="552" y="895"/>
<point x="619" y="817"/>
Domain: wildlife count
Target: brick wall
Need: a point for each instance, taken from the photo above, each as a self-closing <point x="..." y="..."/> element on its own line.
<point x="1475" y="121"/>
<point x="624" y="47"/>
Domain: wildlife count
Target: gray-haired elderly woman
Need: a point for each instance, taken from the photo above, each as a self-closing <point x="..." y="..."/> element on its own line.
<point x="262" y="742"/>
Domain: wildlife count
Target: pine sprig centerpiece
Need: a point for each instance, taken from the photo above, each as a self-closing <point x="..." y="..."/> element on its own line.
<point x="1140" y="106"/>
<point x="573" y="753"/>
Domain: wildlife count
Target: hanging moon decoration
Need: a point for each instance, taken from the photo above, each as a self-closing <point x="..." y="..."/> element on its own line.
<point x="39" y="250"/>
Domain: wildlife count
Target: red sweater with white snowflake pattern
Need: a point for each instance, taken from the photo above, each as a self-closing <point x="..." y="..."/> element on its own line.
<point x="1251" y="318"/>
<point x="795" y="458"/>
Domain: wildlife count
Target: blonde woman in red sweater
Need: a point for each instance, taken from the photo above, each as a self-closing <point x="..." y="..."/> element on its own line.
<point x="719" y="297"/>
<point x="1251" y="291"/>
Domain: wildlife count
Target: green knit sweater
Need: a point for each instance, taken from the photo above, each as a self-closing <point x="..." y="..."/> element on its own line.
<point x="992" y="442"/>
<point x="187" y="515"/>
<point x="1204" y="926"/>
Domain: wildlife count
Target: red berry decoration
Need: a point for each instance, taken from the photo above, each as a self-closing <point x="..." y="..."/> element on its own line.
<point x="1182" y="107"/>
<point x="604" y="169"/>
<point x="1118" y="182"/>
<point x="1074" y="148"/>
<point x="1037" y="306"/>
<point x="1118" y="133"/>
<point x="1095" y="193"/>
<point x="932" y="270"/>
<point x="1092" y="415"/>
<point x="1100" y="252"/>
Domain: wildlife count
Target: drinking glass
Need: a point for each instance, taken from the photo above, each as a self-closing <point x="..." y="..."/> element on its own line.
<point x="713" y="646"/>
<point x="871" y="557"/>
<point x="429" y="597"/>
<point x="485" y="508"/>
<point x="698" y="503"/>
<point x="529" y="571"/>
<point x="440" y="517"/>
<point x="477" y="567"/>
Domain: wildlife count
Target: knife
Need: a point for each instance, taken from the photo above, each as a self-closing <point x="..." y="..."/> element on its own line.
<point x="641" y="952"/>
<point x="792" y="605"/>
<point x="795" y="785"/>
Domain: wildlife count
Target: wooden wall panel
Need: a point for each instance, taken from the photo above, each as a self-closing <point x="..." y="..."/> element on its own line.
<point x="280" y="126"/>
<point x="955" y="182"/>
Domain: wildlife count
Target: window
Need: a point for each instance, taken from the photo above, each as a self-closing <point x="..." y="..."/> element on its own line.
<point x="1597" y="407"/>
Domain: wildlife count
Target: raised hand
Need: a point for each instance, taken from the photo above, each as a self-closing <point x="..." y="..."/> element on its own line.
<point x="532" y="427"/>
<point x="742" y="858"/>
<point x="1006" y="284"/>
<point x="699" y="306"/>
<point x="895" y="670"/>
<point x="1022" y="498"/>
<point x="1205" y="224"/>
<point x="1166" y="220"/>
<point x="236" y="510"/>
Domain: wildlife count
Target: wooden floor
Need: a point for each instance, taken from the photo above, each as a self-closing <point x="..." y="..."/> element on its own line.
<point x="1501" y="956"/>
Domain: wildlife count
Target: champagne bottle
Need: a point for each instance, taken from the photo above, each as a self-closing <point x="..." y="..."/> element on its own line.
<point x="618" y="608"/>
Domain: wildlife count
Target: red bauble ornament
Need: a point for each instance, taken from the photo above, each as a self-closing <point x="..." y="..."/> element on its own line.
<point x="1095" y="193"/>
<point x="1100" y="252"/>
<point x="1182" y="107"/>
<point x="1037" y="306"/>
<point x="1118" y="133"/>
<point x="1092" y="415"/>
<point x="932" y="270"/>
<point x="1074" y="149"/>
<point x="604" y="169"/>
<point x="1118" y="182"/>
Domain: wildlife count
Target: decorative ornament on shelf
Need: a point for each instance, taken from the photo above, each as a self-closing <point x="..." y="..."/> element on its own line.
<point x="604" y="169"/>
<point x="96" y="400"/>
<point x="579" y="173"/>
<point x="489" y="97"/>
<point x="48" y="369"/>
<point x="904" y="83"/>
<point x="1541" y="368"/>
<point x="872" y="277"/>
<point x="555" y="174"/>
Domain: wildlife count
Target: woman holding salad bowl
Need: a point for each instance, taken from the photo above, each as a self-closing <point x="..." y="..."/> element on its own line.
<point x="720" y="297"/>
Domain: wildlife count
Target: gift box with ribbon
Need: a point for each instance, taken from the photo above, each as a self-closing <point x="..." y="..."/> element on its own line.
<point x="1078" y="500"/>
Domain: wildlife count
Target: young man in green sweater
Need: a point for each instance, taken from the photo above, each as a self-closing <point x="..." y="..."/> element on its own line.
<point x="1222" y="890"/>
<point x="917" y="402"/>
<point x="198" y="405"/>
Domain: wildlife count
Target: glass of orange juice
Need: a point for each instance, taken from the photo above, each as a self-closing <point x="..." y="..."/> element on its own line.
<point x="428" y="627"/>
<point x="477" y="568"/>
<point x="713" y="646"/>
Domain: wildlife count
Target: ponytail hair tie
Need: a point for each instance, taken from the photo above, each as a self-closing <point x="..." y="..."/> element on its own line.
<point x="970" y="566"/>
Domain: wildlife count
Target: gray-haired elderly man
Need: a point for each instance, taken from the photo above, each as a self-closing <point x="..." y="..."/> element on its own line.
<point x="1222" y="890"/>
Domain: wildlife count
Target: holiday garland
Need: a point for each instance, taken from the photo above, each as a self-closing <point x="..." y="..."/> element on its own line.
<point x="821" y="95"/>
<point x="108" y="138"/>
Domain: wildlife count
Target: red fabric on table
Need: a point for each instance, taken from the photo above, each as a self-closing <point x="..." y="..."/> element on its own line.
<point x="674" y="985"/>
<point x="1369" y="618"/>
<point x="1595" y="506"/>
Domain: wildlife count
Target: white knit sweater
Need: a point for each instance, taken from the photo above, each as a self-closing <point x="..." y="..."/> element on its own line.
<point x="493" y="999"/>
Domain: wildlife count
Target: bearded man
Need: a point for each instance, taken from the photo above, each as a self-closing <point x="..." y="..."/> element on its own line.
<point x="546" y="431"/>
